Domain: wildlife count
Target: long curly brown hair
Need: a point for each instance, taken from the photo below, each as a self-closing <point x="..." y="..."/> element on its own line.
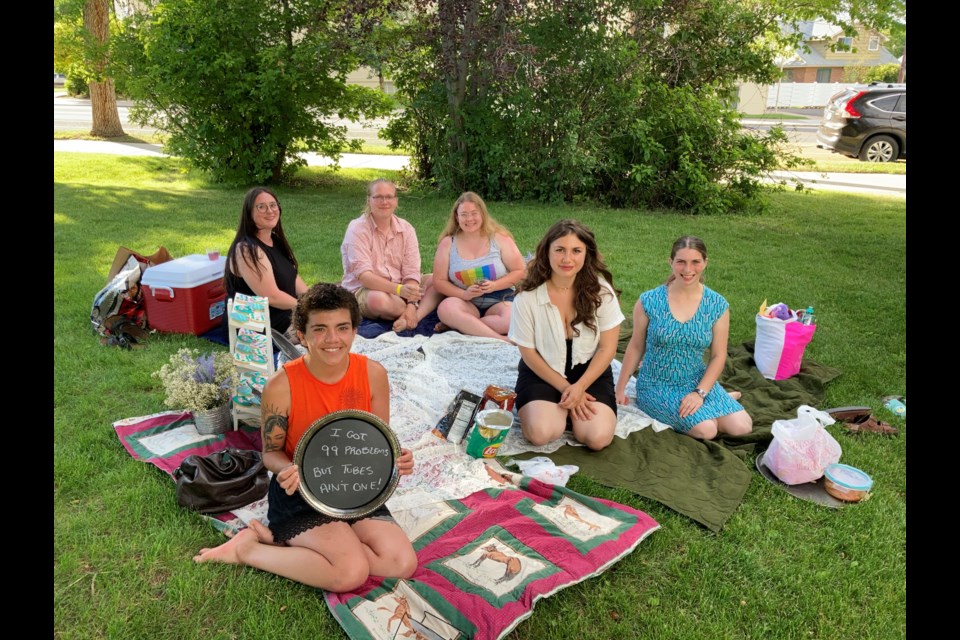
<point x="586" y="285"/>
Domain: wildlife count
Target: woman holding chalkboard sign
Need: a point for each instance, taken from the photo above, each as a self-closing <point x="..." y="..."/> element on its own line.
<point x="302" y="543"/>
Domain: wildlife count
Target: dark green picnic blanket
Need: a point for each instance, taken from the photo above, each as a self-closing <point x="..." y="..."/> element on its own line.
<point x="705" y="481"/>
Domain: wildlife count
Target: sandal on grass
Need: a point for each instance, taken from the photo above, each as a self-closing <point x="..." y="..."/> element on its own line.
<point x="870" y="424"/>
<point x="846" y="414"/>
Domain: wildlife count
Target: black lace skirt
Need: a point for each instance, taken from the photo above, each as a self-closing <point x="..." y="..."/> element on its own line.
<point x="290" y="516"/>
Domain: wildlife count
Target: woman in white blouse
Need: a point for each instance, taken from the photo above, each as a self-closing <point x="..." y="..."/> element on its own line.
<point x="566" y="321"/>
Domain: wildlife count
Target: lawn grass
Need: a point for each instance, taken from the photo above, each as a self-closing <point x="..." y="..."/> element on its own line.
<point x="781" y="568"/>
<point x="826" y="161"/>
<point x="382" y="149"/>
<point x="84" y="134"/>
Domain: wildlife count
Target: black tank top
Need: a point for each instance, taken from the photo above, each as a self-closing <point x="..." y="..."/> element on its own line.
<point x="285" y="275"/>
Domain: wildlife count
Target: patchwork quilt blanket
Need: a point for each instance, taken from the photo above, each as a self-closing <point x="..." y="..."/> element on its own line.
<point x="485" y="560"/>
<point x="487" y="549"/>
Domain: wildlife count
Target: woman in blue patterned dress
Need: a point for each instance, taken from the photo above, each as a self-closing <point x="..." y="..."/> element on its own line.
<point x="672" y="326"/>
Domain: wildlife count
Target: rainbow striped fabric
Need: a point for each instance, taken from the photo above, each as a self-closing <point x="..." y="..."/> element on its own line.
<point x="469" y="277"/>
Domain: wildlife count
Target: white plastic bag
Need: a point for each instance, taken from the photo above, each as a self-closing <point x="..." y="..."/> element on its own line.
<point x="544" y="470"/>
<point x="802" y="448"/>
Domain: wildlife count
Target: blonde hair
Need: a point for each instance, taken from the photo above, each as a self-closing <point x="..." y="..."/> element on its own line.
<point x="488" y="226"/>
<point x="370" y="188"/>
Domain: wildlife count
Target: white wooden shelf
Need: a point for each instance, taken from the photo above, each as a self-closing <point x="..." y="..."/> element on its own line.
<point x="243" y="352"/>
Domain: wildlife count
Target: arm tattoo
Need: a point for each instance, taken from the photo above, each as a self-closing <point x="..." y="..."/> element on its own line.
<point x="274" y="429"/>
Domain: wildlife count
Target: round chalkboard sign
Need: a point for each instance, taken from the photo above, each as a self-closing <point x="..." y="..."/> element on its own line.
<point x="347" y="463"/>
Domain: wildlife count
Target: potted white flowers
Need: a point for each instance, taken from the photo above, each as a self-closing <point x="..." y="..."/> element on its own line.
<point x="201" y="384"/>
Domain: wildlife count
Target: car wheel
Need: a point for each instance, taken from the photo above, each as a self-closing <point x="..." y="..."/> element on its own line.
<point x="880" y="149"/>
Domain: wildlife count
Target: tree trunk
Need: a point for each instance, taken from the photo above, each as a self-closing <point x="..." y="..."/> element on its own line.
<point x="103" y="104"/>
<point x="276" y="173"/>
<point x="458" y="21"/>
<point x="103" y="96"/>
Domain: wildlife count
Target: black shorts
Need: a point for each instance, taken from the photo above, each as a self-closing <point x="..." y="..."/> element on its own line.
<point x="290" y="516"/>
<point x="484" y="302"/>
<point x="532" y="387"/>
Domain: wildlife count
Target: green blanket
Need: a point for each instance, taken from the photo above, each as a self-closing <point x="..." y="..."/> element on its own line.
<point x="705" y="481"/>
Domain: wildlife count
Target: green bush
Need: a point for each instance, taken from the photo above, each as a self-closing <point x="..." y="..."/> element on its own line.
<point x="76" y="83"/>
<point x="242" y="91"/>
<point x="882" y="73"/>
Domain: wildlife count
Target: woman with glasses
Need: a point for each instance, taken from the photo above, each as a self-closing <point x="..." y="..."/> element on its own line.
<point x="260" y="261"/>
<point x="476" y="266"/>
<point x="381" y="262"/>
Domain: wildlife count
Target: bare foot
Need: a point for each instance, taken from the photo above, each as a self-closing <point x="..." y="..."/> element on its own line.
<point x="227" y="552"/>
<point x="400" y="324"/>
<point x="264" y="535"/>
<point x="736" y="395"/>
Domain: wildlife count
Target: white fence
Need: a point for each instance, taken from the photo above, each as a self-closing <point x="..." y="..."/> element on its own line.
<point x="802" y="95"/>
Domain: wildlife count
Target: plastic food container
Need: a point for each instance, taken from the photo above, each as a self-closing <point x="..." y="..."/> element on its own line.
<point x="846" y="483"/>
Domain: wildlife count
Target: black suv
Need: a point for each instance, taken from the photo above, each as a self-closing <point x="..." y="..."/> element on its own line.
<point x="867" y="122"/>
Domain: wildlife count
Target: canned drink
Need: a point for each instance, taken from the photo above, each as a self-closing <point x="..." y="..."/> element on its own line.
<point x="489" y="430"/>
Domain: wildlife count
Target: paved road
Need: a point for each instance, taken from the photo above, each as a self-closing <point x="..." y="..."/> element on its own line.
<point x="69" y="113"/>
<point x="73" y="114"/>
<point x="799" y="132"/>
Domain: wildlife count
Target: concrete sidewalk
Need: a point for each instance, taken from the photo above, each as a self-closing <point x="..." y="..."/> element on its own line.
<point x="347" y="160"/>
<point x="867" y="183"/>
<point x="872" y="183"/>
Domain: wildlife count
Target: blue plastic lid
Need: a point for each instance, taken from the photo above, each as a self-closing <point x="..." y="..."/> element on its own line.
<point x="848" y="477"/>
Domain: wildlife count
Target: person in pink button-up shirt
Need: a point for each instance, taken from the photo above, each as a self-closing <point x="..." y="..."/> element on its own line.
<point x="381" y="262"/>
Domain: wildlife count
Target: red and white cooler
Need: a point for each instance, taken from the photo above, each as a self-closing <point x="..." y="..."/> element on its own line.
<point x="185" y="295"/>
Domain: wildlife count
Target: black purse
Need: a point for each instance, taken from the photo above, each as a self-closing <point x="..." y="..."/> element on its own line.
<point x="224" y="480"/>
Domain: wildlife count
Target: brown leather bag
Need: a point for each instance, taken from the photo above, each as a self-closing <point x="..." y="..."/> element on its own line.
<point x="224" y="480"/>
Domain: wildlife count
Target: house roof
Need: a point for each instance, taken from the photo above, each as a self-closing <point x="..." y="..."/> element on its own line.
<point x="817" y="30"/>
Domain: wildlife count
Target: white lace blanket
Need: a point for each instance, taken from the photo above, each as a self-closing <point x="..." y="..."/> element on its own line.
<point x="425" y="375"/>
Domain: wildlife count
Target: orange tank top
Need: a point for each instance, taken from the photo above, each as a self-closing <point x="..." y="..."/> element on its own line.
<point x="311" y="399"/>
